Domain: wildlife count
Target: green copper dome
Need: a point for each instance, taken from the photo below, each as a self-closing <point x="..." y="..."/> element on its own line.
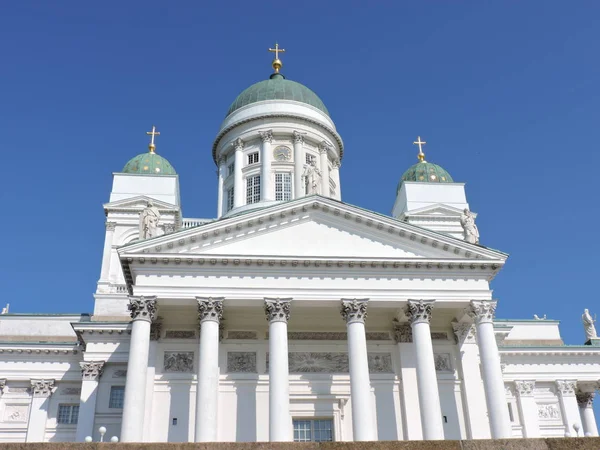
<point x="149" y="164"/>
<point x="426" y="172"/>
<point x="277" y="88"/>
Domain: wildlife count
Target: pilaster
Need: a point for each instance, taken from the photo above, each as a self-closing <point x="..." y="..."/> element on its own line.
<point x="41" y="391"/>
<point x="565" y="389"/>
<point x="266" y="188"/>
<point x="91" y="371"/>
<point x="528" y="410"/>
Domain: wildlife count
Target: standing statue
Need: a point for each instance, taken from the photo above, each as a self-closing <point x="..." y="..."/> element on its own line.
<point x="312" y="178"/>
<point x="467" y="220"/>
<point x="149" y="218"/>
<point x="588" y="325"/>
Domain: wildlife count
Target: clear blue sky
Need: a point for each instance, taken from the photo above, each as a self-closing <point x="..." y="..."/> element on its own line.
<point x="505" y="93"/>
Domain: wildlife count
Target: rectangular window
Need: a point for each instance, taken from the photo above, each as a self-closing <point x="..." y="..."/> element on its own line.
<point x="313" y="430"/>
<point x="117" y="394"/>
<point x="230" y="192"/>
<point x="253" y="189"/>
<point x="310" y="158"/>
<point x="67" y="414"/>
<point x="230" y="169"/>
<point x="253" y="158"/>
<point x="283" y="186"/>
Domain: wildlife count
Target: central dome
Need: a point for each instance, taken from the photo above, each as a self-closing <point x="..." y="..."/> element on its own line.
<point x="277" y="88"/>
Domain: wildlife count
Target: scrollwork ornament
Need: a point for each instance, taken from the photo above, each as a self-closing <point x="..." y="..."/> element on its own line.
<point x="278" y="309"/>
<point x="585" y="399"/>
<point x="298" y="137"/>
<point x="42" y="388"/>
<point x="525" y="387"/>
<point x="91" y="370"/>
<point x="402" y="332"/>
<point x="266" y="136"/>
<point x="482" y="311"/>
<point x="210" y="309"/>
<point x="566" y="387"/>
<point x="142" y="308"/>
<point x="354" y="310"/>
<point x="419" y="311"/>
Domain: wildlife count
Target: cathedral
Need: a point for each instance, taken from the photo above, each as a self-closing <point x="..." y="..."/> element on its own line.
<point x="291" y="316"/>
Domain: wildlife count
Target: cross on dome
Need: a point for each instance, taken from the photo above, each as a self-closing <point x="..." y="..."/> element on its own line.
<point x="152" y="133"/>
<point x="420" y="143"/>
<point x="277" y="64"/>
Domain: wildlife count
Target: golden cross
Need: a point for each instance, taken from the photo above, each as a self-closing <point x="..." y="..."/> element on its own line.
<point x="420" y="143"/>
<point x="276" y="50"/>
<point x="152" y="133"/>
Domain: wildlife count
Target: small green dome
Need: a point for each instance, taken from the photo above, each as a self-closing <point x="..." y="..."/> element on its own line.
<point x="149" y="164"/>
<point x="426" y="172"/>
<point x="277" y="88"/>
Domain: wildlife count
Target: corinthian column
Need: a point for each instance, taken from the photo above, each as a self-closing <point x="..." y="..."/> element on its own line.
<point x="354" y="313"/>
<point x="299" y="161"/>
<point x="482" y="313"/>
<point x="36" y="426"/>
<point x="266" y="190"/>
<point x="585" y="400"/>
<point x="91" y="371"/>
<point x="143" y="312"/>
<point x="323" y="154"/>
<point x="238" y="181"/>
<point x="210" y="313"/>
<point x="419" y="316"/>
<point x="280" y="423"/>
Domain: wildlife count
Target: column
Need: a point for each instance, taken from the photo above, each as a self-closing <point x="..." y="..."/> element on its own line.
<point x="91" y="371"/>
<point x="106" y="254"/>
<point x="528" y="411"/>
<point x="266" y="188"/>
<point x="565" y="389"/>
<point x="143" y="312"/>
<point x="335" y="174"/>
<point x="210" y="312"/>
<point x="299" y="162"/>
<point x="280" y="421"/>
<point x="238" y="181"/>
<point x="482" y="313"/>
<point x="36" y="427"/>
<point x="324" y="163"/>
<point x="155" y="335"/>
<point x="411" y="413"/>
<point x="419" y="316"/>
<point x="478" y="426"/>
<point x="221" y="174"/>
<point x="585" y="400"/>
<point x="354" y="313"/>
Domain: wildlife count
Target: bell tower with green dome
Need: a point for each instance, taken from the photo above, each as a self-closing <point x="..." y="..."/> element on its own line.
<point x="428" y="196"/>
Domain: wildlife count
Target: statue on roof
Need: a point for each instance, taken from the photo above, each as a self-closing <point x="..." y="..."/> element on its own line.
<point x="588" y="325"/>
<point x="312" y="178"/>
<point x="149" y="218"/>
<point x="467" y="220"/>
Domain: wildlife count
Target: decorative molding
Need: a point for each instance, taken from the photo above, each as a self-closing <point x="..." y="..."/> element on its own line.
<point x="419" y="311"/>
<point x="380" y="362"/>
<point x="464" y="332"/>
<point x="18" y="389"/>
<point x="266" y="136"/>
<point x="482" y="311"/>
<point x="439" y="336"/>
<point x="180" y="334"/>
<point x="585" y="399"/>
<point x="278" y="309"/>
<point x="120" y="373"/>
<point x="241" y="362"/>
<point x="442" y="362"/>
<point x="210" y="309"/>
<point x="354" y="310"/>
<point x="42" y="388"/>
<point x="142" y="308"/>
<point x="525" y="388"/>
<point x="16" y="413"/>
<point x="335" y="362"/>
<point x="179" y="362"/>
<point x="378" y="336"/>
<point x="156" y="329"/>
<point x="242" y="335"/>
<point x="91" y="370"/>
<point x="298" y="137"/>
<point x="566" y="387"/>
<point x="110" y="226"/>
<point x="169" y="228"/>
<point x="317" y="336"/>
<point x="70" y="391"/>
<point x="402" y="332"/>
<point x="548" y="412"/>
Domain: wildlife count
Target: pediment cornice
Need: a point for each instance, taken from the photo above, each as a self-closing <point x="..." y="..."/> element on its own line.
<point x="135" y="204"/>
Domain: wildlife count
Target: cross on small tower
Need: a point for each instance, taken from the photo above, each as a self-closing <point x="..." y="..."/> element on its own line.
<point x="152" y="133"/>
<point x="276" y="50"/>
<point x="420" y="143"/>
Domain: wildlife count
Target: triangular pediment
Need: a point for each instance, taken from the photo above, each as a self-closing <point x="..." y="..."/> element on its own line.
<point x="312" y="227"/>
<point x="436" y="210"/>
<point x="137" y="203"/>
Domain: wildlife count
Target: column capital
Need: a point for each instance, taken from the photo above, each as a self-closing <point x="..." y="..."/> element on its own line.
<point x="419" y="311"/>
<point x="222" y="160"/>
<point x="585" y="399"/>
<point x="110" y="226"/>
<point x="298" y="137"/>
<point x="336" y="163"/>
<point x="566" y="387"/>
<point x="278" y="309"/>
<point x="354" y="309"/>
<point x="524" y="388"/>
<point x="464" y="332"/>
<point x="482" y="311"/>
<point x="156" y="329"/>
<point x="324" y="146"/>
<point x="266" y="136"/>
<point x="91" y="370"/>
<point x="238" y="144"/>
<point x="142" y="308"/>
<point x="210" y="309"/>
<point x="2" y="385"/>
<point x="42" y="388"/>
<point x="402" y="332"/>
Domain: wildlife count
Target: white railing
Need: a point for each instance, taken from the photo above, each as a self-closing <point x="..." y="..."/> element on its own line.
<point x="189" y="223"/>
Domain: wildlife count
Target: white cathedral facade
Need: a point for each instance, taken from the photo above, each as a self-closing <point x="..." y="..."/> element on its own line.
<point x="292" y="316"/>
